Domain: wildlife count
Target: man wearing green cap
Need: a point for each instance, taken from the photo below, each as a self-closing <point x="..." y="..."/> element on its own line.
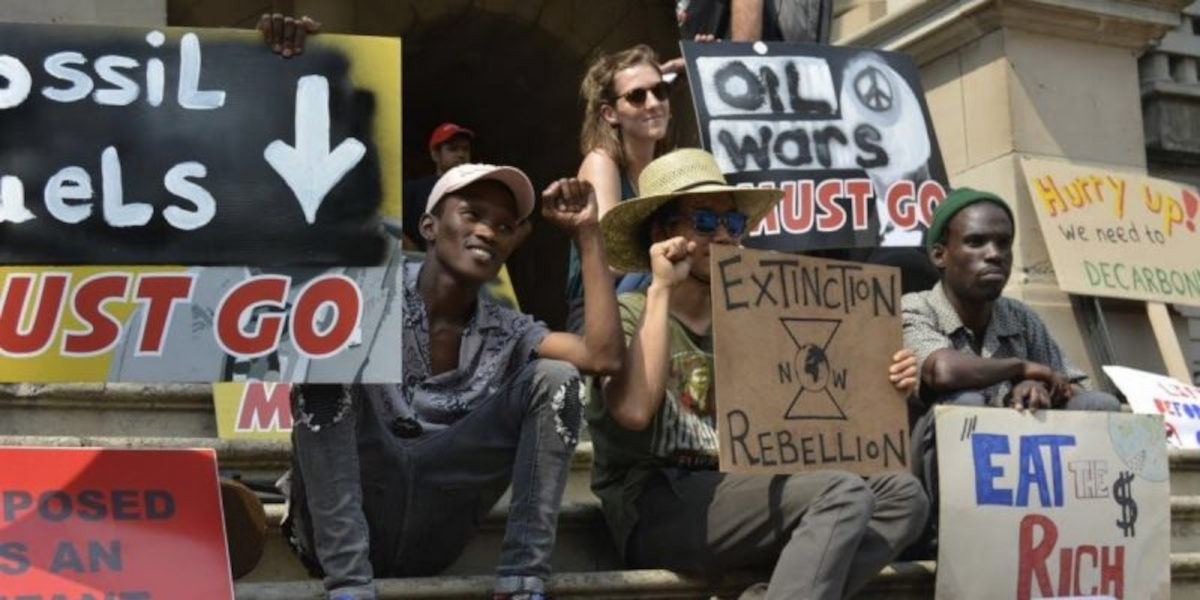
<point x="823" y="534"/>
<point x="974" y="347"/>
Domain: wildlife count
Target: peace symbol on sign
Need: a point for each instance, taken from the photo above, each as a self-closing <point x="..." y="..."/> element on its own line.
<point x="874" y="89"/>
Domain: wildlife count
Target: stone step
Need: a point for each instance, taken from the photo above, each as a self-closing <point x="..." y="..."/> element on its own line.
<point x="584" y="543"/>
<point x="1185" y="472"/>
<point x="900" y="581"/>
<point x="114" y="409"/>
<point x="255" y="459"/>
<point x="584" y="554"/>
<point x="270" y="458"/>
<point x="258" y="459"/>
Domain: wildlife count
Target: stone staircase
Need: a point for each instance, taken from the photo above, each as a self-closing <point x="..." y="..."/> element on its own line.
<point x="128" y="416"/>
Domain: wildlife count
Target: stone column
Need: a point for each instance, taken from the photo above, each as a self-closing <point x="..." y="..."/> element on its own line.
<point x="86" y="12"/>
<point x="1045" y="78"/>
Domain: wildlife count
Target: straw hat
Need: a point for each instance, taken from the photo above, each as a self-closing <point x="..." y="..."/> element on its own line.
<point x="681" y="173"/>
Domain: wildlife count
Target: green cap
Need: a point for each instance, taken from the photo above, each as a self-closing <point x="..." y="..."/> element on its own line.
<point x="955" y="201"/>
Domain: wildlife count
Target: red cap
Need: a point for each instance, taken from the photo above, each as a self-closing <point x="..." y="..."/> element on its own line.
<point x="445" y="131"/>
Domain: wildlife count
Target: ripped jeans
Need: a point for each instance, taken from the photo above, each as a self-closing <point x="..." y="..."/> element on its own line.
<point x="370" y="498"/>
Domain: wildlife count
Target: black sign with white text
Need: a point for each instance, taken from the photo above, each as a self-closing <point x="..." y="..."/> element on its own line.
<point x="844" y="132"/>
<point x="175" y="146"/>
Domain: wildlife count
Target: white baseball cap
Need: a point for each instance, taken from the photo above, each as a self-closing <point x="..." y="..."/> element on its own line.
<point x="461" y="176"/>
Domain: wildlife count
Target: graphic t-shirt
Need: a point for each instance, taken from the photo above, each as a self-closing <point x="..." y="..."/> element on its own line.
<point x="682" y="434"/>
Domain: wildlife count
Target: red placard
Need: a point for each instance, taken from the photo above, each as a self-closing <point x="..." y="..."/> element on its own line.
<point x="114" y="524"/>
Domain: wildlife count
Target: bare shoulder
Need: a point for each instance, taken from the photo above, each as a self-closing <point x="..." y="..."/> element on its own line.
<point x="597" y="164"/>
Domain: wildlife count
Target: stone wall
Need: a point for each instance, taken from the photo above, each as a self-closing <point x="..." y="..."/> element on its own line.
<point x="1045" y="78"/>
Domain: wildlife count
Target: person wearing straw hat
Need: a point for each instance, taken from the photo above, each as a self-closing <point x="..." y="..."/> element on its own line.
<point x="388" y="479"/>
<point x="825" y="534"/>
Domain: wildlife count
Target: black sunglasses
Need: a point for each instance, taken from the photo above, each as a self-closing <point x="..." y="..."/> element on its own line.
<point x="705" y="222"/>
<point x="637" y="96"/>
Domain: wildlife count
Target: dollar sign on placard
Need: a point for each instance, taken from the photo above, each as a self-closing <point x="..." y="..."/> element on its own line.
<point x="1122" y="492"/>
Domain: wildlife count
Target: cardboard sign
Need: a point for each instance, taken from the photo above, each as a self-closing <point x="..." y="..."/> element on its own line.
<point x="1052" y="504"/>
<point x="128" y="524"/>
<point x="844" y="132"/>
<point x="1117" y="233"/>
<point x="258" y="410"/>
<point x="200" y="324"/>
<point x="802" y="350"/>
<point x="1154" y="394"/>
<point x="182" y="146"/>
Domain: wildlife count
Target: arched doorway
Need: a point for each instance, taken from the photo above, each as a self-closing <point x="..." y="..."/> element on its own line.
<point x="519" y="99"/>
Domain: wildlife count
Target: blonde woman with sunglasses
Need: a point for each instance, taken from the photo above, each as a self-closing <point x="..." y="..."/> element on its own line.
<point x="626" y="113"/>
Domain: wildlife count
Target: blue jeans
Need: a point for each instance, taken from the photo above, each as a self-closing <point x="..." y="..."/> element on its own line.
<point x="370" y="498"/>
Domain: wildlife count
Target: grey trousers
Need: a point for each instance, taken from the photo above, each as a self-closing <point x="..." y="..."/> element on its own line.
<point x="825" y="534"/>
<point x="371" y="499"/>
<point x="924" y="436"/>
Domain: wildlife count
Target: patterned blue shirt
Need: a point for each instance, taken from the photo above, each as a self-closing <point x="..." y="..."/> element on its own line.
<point x="497" y="343"/>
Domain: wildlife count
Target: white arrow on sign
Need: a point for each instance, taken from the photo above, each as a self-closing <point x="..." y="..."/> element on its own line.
<point x="309" y="168"/>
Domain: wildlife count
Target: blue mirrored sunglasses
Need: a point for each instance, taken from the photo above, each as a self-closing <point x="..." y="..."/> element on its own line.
<point x="705" y="222"/>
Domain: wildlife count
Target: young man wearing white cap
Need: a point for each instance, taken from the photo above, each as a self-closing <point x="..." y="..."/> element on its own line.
<point x="824" y="534"/>
<point x="391" y="480"/>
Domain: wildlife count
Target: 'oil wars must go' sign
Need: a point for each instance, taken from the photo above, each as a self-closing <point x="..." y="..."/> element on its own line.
<point x="802" y="349"/>
<point x="107" y="524"/>
<point x="1053" y="504"/>
<point x="167" y="146"/>
<point x="844" y="132"/>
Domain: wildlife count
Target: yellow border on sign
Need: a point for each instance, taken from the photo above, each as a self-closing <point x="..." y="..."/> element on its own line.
<point x="375" y="65"/>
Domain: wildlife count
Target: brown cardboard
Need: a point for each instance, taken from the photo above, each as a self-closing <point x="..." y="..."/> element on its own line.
<point x="1117" y="233"/>
<point x="802" y="350"/>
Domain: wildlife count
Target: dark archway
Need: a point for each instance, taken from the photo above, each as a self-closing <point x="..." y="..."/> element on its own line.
<point x="515" y="85"/>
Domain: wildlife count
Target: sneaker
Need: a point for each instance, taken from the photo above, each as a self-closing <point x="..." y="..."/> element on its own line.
<point x="245" y="526"/>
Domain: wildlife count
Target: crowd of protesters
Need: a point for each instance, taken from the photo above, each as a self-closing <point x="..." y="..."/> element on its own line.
<point x="389" y="480"/>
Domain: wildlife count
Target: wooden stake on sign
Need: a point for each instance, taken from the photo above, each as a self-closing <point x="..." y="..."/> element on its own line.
<point x="1168" y="342"/>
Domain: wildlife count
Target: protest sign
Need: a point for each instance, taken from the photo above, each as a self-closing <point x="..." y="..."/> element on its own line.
<point x="199" y="324"/>
<point x="103" y="523"/>
<point x="253" y="410"/>
<point x="844" y="132"/>
<point x="1154" y="394"/>
<point x="1117" y="233"/>
<point x="1066" y="504"/>
<point x="802" y="348"/>
<point x="196" y="147"/>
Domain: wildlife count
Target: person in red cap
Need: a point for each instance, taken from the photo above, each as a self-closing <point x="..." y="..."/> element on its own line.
<point x="449" y="146"/>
